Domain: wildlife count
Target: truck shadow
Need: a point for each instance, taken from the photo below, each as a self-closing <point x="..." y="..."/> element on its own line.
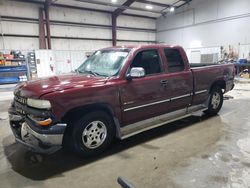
<point x="38" y="167"/>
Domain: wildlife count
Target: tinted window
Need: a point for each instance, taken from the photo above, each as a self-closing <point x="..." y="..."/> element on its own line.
<point x="149" y="60"/>
<point x="174" y="60"/>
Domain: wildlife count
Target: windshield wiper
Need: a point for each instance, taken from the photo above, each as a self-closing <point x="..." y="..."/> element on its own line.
<point x="88" y="72"/>
<point x="91" y="72"/>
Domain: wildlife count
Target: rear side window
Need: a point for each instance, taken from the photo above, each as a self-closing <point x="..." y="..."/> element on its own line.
<point x="149" y="60"/>
<point x="174" y="60"/>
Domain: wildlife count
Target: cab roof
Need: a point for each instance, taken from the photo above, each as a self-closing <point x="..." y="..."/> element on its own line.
<point x="143" y="46"/>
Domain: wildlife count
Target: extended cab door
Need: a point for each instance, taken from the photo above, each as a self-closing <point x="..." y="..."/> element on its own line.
<point x="179" y="77"/>
<point x="143" y="98"/>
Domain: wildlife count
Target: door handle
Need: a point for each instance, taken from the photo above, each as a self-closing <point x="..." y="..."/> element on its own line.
<point x="164" y="82"/>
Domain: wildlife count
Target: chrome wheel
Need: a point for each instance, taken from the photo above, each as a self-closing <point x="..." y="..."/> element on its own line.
<point x="215" y="102"/>
<point x="94" y="134"/>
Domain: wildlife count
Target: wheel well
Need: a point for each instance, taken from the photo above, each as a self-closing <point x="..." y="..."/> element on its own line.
<point x="77" y="112"/>
<point x="219" y="83"/>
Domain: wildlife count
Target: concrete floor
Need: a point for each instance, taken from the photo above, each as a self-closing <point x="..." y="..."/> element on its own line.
<point x="194" y="152"/>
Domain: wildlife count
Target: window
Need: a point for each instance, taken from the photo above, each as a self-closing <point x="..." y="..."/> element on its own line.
<point x="104" y="62"/>
<point x="174" y="60"/>
<point x="149" y="60"/>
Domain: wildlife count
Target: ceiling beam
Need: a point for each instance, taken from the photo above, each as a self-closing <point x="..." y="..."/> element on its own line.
<point x="82" y="8"/>
<point x="185" y="2"/>
<point x="48" y="2"/>
<point x="153" y="3"/>
<point x="114" y="16"/>
<point x="174" y="5"/>
<point x="124" y="6"/>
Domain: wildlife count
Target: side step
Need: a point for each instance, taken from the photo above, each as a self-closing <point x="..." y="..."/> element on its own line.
<point x="141" y="126"/>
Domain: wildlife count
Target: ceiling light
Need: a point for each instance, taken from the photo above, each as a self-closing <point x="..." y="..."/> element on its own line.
<point x="149" y="7"/>
<point x="114" y="1"/>
<point x="172" y="9"/>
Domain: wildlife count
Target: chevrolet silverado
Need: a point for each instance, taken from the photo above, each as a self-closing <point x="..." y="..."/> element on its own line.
<point x="116" y="93"/>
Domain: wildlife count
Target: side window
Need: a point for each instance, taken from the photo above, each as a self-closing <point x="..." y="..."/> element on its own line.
<point x="174" y="60"/>
<point x="149" y="60"/>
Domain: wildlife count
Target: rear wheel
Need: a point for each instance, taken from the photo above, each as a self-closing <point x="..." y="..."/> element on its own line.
<point x="215" y="101"/>
<point x="93" y="133"/>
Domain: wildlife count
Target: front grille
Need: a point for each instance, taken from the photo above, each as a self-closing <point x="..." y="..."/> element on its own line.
<point x="20" y="103"/>
<point x="20" y="99"/>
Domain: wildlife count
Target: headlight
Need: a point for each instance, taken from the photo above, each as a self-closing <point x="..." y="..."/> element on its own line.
<point x="37" y="103"/>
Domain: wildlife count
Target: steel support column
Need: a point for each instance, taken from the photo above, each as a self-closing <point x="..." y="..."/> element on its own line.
<point x="114" y="16"/>
<point x="42" y="42"/>
<point x="114" y="29"/>
<point x="46" y="8"/>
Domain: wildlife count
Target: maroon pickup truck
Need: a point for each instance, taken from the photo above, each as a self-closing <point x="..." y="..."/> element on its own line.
<point x="116" y="93"/>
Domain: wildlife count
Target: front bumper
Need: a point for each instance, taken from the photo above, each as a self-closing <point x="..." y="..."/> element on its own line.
<point x="39" y="139"/>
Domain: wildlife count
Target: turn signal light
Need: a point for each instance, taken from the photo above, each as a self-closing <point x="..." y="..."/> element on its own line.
<point x="45" y="122"/>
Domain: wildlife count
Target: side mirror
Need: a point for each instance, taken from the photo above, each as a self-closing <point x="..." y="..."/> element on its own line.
<point x="136" y="72"/>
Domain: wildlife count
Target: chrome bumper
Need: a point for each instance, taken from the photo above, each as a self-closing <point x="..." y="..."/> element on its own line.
<point x="34" y="138"/>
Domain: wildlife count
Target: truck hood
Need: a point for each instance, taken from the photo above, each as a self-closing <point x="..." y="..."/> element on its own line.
<point x="37" y="88"/>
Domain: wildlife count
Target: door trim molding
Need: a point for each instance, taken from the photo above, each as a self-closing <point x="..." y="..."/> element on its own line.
<point x="145" y="105"/>
<point x="163" y="101"/>
<point x="158" y="102"/>
<point x="201" y="91"/>
<point x="181" y="96"/>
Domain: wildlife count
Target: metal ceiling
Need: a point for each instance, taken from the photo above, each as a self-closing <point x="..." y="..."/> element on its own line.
<point x="137" y="7"/>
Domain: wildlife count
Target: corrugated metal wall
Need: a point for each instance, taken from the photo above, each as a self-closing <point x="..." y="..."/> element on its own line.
<point x="213" y="22"/>
<point x="67" y="23"/>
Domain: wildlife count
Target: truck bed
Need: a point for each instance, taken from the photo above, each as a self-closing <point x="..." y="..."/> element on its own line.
<point x="194" y="65"/>
<point x="206" y="74"/>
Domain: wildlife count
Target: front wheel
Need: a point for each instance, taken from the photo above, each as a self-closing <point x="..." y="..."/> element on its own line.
<point x="215" y="101"/>
<point x="93" y="133"/>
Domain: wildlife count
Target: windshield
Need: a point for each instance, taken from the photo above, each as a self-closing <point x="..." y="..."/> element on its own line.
<point x="104" y="63"/>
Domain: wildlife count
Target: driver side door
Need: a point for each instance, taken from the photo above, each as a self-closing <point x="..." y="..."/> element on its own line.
<point x="145" y="97"/>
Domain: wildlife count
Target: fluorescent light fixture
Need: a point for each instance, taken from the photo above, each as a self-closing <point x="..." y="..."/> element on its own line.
<point x="149" y="7"/>
<point x="114" y="1"/>
<point x="172" y="9"/>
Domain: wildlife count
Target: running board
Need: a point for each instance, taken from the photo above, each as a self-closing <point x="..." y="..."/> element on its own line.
<point x="141" y="126"/>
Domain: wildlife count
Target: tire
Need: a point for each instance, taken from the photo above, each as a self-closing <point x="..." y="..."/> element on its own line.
<point x="215" y="101"/>
<point x="93" y="133"/>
